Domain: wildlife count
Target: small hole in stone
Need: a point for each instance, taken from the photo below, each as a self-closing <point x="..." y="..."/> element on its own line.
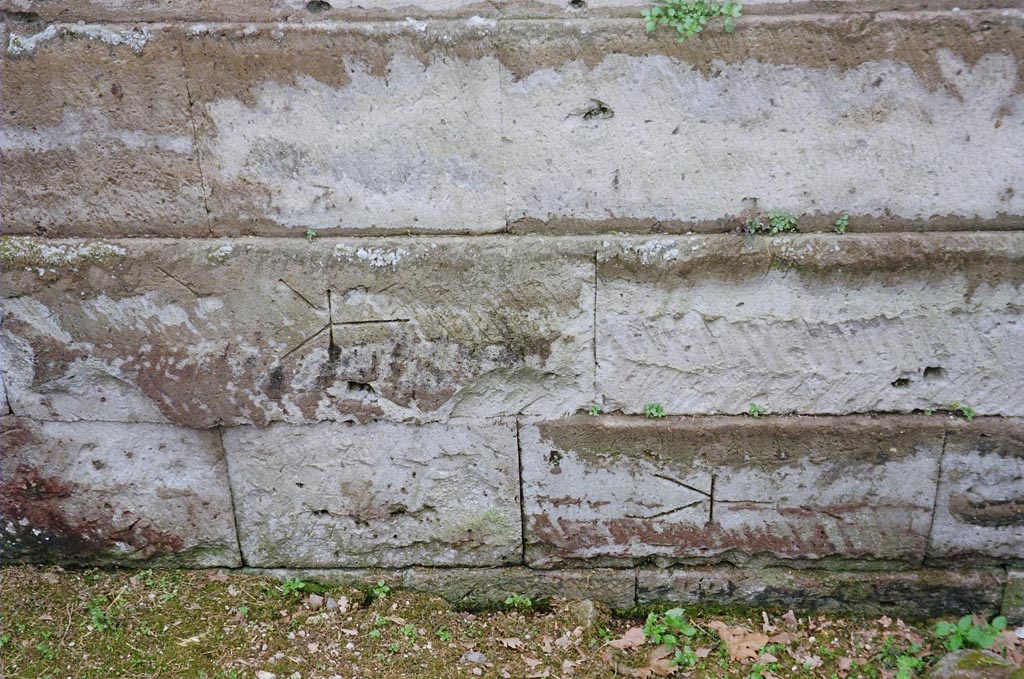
<point x="598" y="110"/>
<point x="554" y="458"/>
<point x="317" y="6"/>
<point x="934" y="373"/>
<point x="300" y="485"/>
<point x="97" y="464"/>
<point x="577" y="4"/>
<point x="901" y="382"/>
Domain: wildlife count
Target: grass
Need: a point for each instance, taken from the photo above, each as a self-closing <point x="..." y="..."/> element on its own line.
<point x="205" y="624"/>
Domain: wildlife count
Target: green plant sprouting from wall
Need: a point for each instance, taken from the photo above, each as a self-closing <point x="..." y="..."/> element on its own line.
<point x="689" y="18"/>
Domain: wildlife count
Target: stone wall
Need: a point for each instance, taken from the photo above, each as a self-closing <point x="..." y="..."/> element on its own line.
<point x="330" y="288"/>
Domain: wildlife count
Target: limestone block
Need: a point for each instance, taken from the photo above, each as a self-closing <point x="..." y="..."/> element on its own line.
<point x="619" y="491"/>
<point x="362" y="128"/>
<point x="979" y="516"/>
<point x="819" y="116"/>
<point x="912" y="595"/>
<point x="380" y="494"/>
<point x="106" y="492"/>
<point x="250" y="331"/>
<point x="812" y="323"/>
<point x="96" y="133"/>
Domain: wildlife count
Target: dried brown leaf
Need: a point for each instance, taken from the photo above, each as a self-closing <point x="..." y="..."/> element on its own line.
<point x="632" y="638"/>
<point x="741" y="643"/>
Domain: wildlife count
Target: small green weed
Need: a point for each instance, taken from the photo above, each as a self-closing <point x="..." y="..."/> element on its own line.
<point x="781" y="222"/>
<point x="98" y="616"/>
<point x="964" y="410"/>
<point x="443" y="634"/>
<point x="755" y="410"/>
<point x="293" y="586"/>
<point x="777" y="222"/>
<point x="310" y="234"/>
<point x="654" y="411"/>
<point x="969" y="633"/>
<point x="670" y="629"/>
<point x="380" y="590"/>
<point x="841" y="224"/>
<point x="520" y="602"/>
<point x="594" y="410"/>
<point x="45" y="650"/>
<point x="689" y="18"/>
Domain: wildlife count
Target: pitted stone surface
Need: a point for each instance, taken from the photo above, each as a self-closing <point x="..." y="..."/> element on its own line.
<point x="380" y="494"/>
<point x="251" y="331"/>
<point x="811" y="323"/>
<point x="96" y="134"/>
<point x="913" y="595"/>
<point x="979" y="516"/>
<point x="622" y="491"/>
<point x="104" y="492"/>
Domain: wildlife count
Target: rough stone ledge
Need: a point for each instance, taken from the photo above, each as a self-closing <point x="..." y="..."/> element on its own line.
<point x="911" y="595"/>
<point x="481" y="587"/>
<point x="300" y="11"/>
<point x="1013" y="597"/>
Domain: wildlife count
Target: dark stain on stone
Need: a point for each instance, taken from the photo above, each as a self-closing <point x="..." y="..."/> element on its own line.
<point x="988" y="513"/>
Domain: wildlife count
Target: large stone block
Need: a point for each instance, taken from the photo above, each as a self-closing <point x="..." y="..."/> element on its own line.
<point x="979" y="515"/>
<point x="812" y="324"/>
<point x="97" y="138"/>
<point x="620" y="491"/>
<point x="914" y="595"/>
<point x="258" y="330"/>
<point x="105" y="492"/>
<point x="381" y="494"/>
<point x="815" y="115"/>
<point x="370" y="128"/>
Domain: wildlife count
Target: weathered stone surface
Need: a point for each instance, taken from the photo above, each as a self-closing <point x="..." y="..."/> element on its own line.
<point x="913" y="595"/>
<point x="812" y="324"/>
<point x="96" y="136"/>
<point x="380" y="494"/>
<point x="1013" y="597"/>
<point x="979" y="516"/>
<point x="320" y="10"/>
<point x="483" y="587"/>
<point x="621" y="491"/>
<point x="104" y="492"/>
<point x="369" y="128"/>
<point x="973" y="664"/>
<point x="251" y="331"/>
<point x="817" y="116"/>
<point x="469" y="126"/>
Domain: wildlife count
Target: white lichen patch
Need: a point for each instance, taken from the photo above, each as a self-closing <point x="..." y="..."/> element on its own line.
<point x="89" y="125"/>
<point x="49" y="257"/>
<point x="134" y="38"/>
<point x="375" y="257"/>
<point x="221" y="253"/>
<point x="654" y="250"/>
